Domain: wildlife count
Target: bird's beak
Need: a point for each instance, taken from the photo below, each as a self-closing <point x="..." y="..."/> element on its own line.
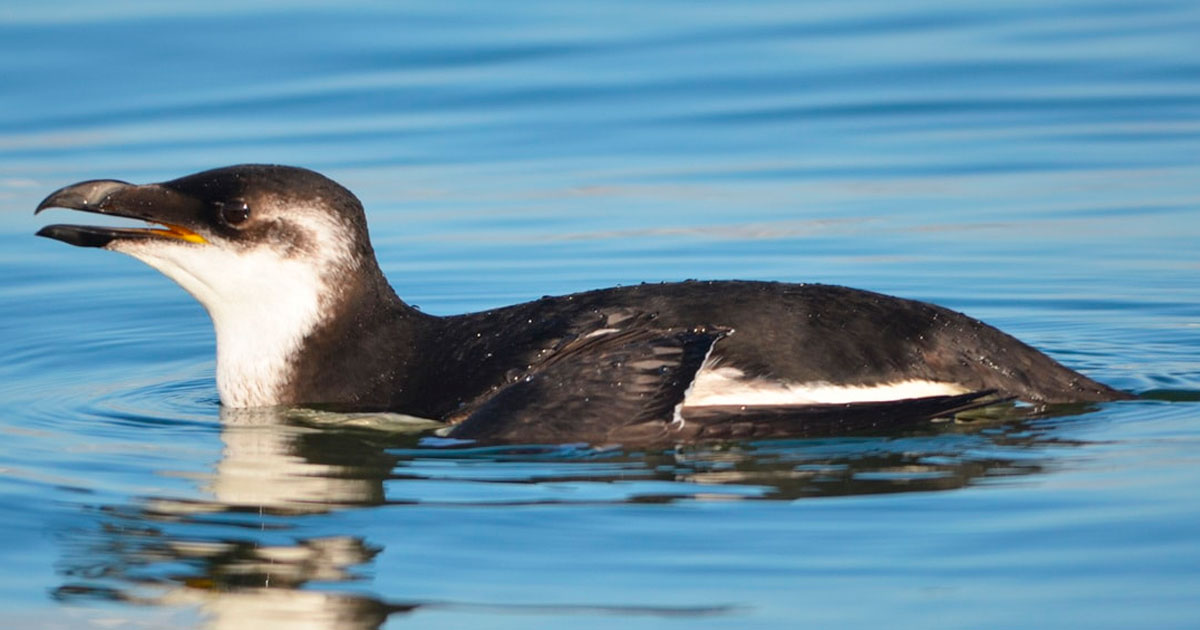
<point x="178" y="214"/>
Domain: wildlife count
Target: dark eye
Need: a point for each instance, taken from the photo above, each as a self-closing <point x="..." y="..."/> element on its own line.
<point x="234" y="212"/>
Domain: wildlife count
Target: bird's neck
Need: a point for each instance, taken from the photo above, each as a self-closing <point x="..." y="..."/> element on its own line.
<point x="311" y="338"/>
<point x="259" y="334"/>
<point x="365" y="356"/>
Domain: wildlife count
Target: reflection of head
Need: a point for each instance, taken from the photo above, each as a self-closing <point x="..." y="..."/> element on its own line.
<point x="260" y="586"/>
<point x="239" y="583"/>
<point x="279" y="609"/>
<point x="276" y="464"/>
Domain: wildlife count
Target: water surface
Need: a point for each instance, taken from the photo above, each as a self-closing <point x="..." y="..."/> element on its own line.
<point x="1032" y="165"/>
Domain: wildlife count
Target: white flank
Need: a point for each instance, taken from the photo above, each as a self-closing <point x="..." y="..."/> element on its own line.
<point x="730" y="386"/>
<point x="262" y="302"/>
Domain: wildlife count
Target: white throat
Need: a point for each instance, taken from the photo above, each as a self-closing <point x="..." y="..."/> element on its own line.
<point x="262" y="307"/>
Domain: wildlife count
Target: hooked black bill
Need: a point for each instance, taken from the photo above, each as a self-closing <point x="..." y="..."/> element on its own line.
<point x="179" y="214"/>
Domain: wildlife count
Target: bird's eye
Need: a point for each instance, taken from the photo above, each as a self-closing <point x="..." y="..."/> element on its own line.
<point x="234" y="212"/>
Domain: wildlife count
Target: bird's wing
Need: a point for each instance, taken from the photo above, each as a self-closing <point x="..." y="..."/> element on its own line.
<point x="594" y="388"/>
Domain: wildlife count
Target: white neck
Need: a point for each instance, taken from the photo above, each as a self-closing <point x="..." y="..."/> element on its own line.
<point x="258" y="335"/>
<point x="262" y="306"/>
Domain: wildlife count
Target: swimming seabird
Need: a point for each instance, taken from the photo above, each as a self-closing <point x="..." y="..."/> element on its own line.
<point x="281" y="259"/>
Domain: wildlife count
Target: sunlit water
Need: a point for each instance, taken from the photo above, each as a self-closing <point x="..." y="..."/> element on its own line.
<point x="1035" y="165"/>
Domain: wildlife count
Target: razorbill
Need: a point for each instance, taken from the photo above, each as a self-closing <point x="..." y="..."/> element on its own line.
<point x="281" y="259"/>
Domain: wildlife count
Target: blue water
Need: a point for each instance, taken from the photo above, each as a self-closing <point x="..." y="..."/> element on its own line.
<point x="1035" y="165"/>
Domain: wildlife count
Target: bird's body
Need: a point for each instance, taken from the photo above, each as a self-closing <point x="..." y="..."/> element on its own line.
<point x="281" y="259"/>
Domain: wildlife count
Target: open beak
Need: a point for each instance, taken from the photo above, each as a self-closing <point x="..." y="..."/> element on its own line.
<point x="178" y="214"/>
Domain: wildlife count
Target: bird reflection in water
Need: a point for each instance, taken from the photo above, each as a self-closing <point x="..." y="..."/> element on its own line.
<point x="235" y="554"/>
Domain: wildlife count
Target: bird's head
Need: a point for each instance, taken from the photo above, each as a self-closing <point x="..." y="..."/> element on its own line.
<point x="268" y="250"/>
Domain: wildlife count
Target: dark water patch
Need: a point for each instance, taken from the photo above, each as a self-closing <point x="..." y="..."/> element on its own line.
<point x="1171" y="395"/>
